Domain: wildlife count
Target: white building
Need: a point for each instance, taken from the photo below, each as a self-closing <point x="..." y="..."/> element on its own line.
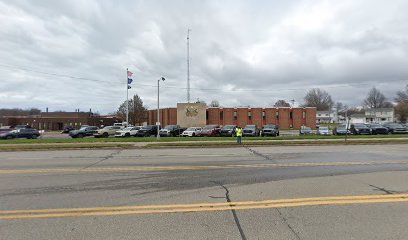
<point x="375" y="115"/>
<point x="326" y="117"/>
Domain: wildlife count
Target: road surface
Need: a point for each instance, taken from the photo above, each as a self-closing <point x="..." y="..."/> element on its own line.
<point x="304" y="192"/>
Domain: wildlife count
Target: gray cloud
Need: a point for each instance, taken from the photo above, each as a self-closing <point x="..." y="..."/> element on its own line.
<point x="253" y="52"/>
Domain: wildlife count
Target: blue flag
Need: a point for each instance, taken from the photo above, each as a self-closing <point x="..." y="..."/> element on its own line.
<point x="129" y="87"/>
<point x="130" y="80"/>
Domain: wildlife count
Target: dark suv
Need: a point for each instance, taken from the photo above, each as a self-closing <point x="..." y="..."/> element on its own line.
<point x="83" y="132"/>
<point x="171" y="131"/>
<point x="29" y="133"/>
<point x="270" y="130"/>
<point x="250" y="131"/>
<point x="228" y="131"/>
<point x="147" y="131"/>
<point x="360" y="129"/>
<point x="378" y="129"/>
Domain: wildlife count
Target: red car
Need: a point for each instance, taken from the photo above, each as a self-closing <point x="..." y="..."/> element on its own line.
<point x="211" y="131"/>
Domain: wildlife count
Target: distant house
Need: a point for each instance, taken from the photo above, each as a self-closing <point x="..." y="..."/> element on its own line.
<point x="375" y="115"/>
<point x="380" y="115"/>
<point x="326" y="117"/>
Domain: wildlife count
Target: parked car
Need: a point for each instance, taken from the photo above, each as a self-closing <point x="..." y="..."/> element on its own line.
<point x="341" y="130"/>
<point x="323" y="131"/>
<point x="396" y="128"/>
<point x="106" y="131"/>
<point x="377" y="129"/>
<point x="147" y="131"/>
<point x="192" y="132"/>
<point x="21" y="126"/>
<point x="67" y="129"/>
<point x="250" y="131"/>
<point x="210" y="131"/>
<point x="83" y="132"/>
<point x="305" y="130"/>
<point x="171" y="131"/>
<point x="127" y="132"/>
<point x="270" y="130"/>
<point x="228" y="131"/>
<point x="359" y="129"/>
<point x="29" y="133"/>
<point x="6" y="133"/>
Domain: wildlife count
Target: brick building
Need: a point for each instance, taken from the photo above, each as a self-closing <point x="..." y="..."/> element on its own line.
<point x="284" y="117"/>
<point x="56" y="121"/>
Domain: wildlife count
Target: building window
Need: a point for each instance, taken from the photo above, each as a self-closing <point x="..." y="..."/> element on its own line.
<point x="235" y="115"/>
<point x="304" y="114"/>
<point x="277" y="115"/>
<point x="249" y="115"/>
<point x="206" y="115"/>
<point x="222" y="115"/>
<point x="263" y="115"/>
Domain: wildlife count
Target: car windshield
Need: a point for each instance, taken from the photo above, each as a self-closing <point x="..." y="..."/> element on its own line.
<point x="170" y="127"/>
<point x="395" y="125"/>
<point x="250" y="126"/>
<point x="107" y="127"/>
<point x="147" y="127"/>
<point x="191" y="129"/>
<point x="210" y="127"/>
<point x="307" y="128"/>
<point x="128" y="129"/>
<point x="83" y="128"/>
<point x="228" y="127"/>
<point x="324" y="128"/>
<point x="376" y="125"/>
<point x="360" y="126"/>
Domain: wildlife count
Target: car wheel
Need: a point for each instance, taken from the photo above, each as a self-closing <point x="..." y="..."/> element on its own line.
<point x="9" y="137"/>
<point x="105" y="134"/>
<point x="80" y="136"/>
<point x="193" y="135"/>
<point x="127" y="134"/>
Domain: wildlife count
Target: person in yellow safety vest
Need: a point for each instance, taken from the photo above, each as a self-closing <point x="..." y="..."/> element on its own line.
<point x="239" y="135"/>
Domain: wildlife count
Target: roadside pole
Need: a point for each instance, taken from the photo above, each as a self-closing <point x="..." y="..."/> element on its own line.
<point x="127" y="96"/>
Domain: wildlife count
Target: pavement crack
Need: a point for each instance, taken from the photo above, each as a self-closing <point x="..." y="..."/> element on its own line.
<point x="285" y="220"/>
<point x="234" y="213"/>
<point x="387" y="191"/>
<point x="111" y="155"/>
<point x="266" y="157"/>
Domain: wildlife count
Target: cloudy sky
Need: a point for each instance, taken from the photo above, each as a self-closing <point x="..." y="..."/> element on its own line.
<point x="74" y="54"/>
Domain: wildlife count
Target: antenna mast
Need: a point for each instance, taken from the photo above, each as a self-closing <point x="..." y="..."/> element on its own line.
<point x="188" y="65"/>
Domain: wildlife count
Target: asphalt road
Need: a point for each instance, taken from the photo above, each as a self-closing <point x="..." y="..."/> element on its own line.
<point x="305" y="192"/>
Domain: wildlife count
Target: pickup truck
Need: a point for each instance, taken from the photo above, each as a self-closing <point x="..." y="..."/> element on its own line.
<point x="83" y="132"/>
<point x="171" y="131"/>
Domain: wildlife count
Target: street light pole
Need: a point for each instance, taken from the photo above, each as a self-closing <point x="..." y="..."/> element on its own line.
<point x="158" y="106"/>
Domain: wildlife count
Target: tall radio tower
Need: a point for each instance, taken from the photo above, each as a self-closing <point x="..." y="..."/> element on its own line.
<point x="188" y="65"/>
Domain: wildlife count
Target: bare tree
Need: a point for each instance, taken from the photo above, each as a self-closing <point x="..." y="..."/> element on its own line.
<point x="281" y="103"/>
<point x="319" y="99"/>
<point x="214" y="103"/>
<point x="402" y="96"/>
<point x="137" y="111"/>
<point x="401" y="110"/>
<point x="375" y="99"/>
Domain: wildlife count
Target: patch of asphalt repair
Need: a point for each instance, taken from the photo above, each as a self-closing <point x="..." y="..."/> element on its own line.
<point x="109" y="156"/>
<point x="234" y="213"/>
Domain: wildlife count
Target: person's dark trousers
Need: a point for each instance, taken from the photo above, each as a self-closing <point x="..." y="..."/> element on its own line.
<point x="239" y="140"/>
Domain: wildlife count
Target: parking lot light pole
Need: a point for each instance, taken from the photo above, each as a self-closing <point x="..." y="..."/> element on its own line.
<point x="158" y="106"/>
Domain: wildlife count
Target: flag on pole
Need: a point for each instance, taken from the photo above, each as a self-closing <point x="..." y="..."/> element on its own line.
<point x="129" y="73"/>
<point x="130" y="80"/>
<point x="129" y="87"/>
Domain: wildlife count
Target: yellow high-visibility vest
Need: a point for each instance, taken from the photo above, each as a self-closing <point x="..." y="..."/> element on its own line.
<point x="239" y="132"/>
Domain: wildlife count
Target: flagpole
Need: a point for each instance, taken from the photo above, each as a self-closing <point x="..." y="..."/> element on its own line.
<point x="127" y="97"/>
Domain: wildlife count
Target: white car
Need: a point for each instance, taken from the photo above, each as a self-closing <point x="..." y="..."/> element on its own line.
<point x="323" y="131"/>
<point x="191" y="132"/>
<point x="127" y="132"/>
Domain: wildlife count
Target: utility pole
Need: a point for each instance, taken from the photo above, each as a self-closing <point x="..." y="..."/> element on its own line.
<point x="188" y="65"/>
<point x="127" y="96"/>
<point x="158" y="106"/>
